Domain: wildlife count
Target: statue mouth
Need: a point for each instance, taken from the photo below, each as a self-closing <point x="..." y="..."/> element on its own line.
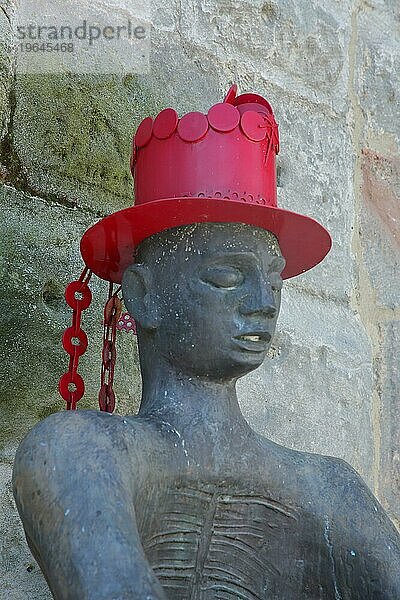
<point x="254" y="341"/>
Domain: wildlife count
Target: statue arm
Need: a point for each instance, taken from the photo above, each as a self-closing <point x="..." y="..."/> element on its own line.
<point x="73" y="488"/>
<point x="368" y="543"/>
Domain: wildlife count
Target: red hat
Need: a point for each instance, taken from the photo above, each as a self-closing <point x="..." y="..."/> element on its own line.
<point x="218" y="167"/>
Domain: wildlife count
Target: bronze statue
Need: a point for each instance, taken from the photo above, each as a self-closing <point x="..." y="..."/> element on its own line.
<point x="185" y="500"/>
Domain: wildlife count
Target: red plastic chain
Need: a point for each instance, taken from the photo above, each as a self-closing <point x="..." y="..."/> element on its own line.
<point x="112" y="312"/>
<point x="78" y="296"/>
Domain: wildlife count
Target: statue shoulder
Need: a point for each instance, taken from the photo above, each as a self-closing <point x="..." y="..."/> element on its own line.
<point x="348" y="484"/>
<point x="76" y="428"/>
<point x="338" y="471"/>
<point x="345" y="485"/>
<point x="80" y="439"/>
<point x="354" y="504"/>
<point x="87" y="427"/>
<point x="339" y="490"/>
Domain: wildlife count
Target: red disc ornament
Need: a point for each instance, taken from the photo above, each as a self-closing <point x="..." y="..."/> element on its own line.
<point x="223" y="117"/>
<point x="126" y="323"/>
<point x="193" y="127"/>
<point x="254" y="102"/>
<point x="253" y="125"/>
<point x="144" y="132"/>
<point x="165" y="123"/>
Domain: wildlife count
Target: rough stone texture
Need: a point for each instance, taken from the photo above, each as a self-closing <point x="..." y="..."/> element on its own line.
<point x="316" y="179"/>
<point x="380" y="224"/>
<point x="330" y="69"/>
<point x="6" y="57"/>
<point x="390" y="430"/>
<point x="378" y="80"/>
<point x="76" y="149"/>
<point x="20" y="576"/>
<point x="301" y="48"/>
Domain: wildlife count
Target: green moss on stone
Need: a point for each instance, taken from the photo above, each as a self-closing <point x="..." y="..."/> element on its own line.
<point x="73" y="135"/>
<point x="39" y="255"/>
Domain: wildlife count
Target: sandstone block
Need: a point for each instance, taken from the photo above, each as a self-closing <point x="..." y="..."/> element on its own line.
<point x="20" y="576"/>
<point x="315" y="179"/>
<point x="380" y="225"/>
<point x="378" y="69"/>
<point x="390" y="423"/>
<point x="72" y="136"/>
<point x="303" y="50"/>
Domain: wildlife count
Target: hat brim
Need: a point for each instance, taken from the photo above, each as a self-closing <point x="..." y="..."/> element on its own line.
<point x="107" y="247"/>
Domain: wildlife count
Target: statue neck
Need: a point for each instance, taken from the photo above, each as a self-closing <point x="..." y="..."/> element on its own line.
<point x="189" y="402"/>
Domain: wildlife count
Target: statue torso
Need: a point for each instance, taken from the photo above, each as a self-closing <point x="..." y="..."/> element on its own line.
<point x="229" y="516"/>
<point x="246" y="526"/>
<point x="217" y="541"/>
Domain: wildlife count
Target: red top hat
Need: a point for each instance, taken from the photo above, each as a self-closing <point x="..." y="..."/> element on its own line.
<point x="218" y="167"/>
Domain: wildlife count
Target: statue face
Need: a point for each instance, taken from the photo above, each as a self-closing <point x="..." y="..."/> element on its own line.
<point x="215" y="290"/>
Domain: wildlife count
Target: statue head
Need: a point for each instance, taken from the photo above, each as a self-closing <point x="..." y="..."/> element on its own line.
<point x="206" y="298"/>
<point x="203" y="231"/>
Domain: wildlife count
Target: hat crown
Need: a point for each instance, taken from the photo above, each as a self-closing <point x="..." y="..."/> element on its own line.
<point x="228" y="153"/>
<point x="217" y="167"/>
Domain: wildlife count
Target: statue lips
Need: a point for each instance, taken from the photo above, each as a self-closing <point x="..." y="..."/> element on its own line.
<point x="253" y="341"/>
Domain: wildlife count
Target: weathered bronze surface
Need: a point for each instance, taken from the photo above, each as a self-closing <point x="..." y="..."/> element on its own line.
<point x="185" y="500"/>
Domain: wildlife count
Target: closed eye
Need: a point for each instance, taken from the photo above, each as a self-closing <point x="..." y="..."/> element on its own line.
<point x="222" y="276"/>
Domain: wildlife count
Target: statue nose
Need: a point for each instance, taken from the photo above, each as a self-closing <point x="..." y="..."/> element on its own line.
<point x="260" y="301"/>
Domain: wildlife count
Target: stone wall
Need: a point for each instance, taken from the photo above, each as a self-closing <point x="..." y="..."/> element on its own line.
<point x="331" y="71"/>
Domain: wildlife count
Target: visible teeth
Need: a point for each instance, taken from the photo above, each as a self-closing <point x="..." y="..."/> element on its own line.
<point x="251" y="338"/>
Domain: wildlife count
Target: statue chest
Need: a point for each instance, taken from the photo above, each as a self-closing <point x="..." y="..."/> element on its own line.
<point x="206" y="542"/>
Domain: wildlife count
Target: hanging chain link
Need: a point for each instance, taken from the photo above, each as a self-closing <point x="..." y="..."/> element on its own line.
<point x="71" y="385"/>
<point x="112" y="312"/>
<point x="79" y="297"/>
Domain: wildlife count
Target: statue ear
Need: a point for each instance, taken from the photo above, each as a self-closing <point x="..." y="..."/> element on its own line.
<point x="136" y="290"/>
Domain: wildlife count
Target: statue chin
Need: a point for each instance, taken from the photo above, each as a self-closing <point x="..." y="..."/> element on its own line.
<point x="228" y="364"/>
<point x="228" y="371"/>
